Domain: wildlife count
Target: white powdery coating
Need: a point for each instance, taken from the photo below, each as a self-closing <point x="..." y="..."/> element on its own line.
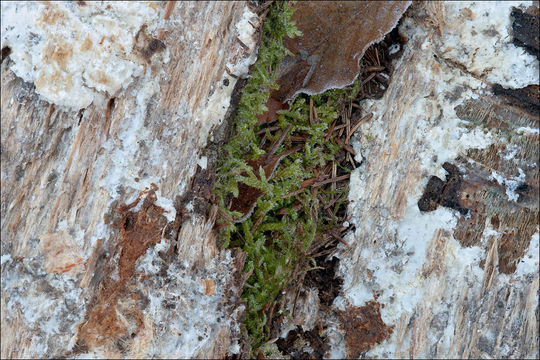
<point x="398" y="275"/>
<point x="5" y="258"/>
<point x="245" y="28"/>
<point x="50" y="305"/>
<point x="203" y="162"/>
<point x="480" y="38"/>
<point x="530" y="261"/>
<point x="125" y="149"/>
<point x="527" y="130"/>
<point x="510" y="184"/>
<point x="167" y="205"/>
<point x="215" y="108"/>
<point x="192" y="327"/>
<point x="74" y="54"/>
<point x="336" y="340"/>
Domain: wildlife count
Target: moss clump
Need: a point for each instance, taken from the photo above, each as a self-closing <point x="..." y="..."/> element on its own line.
<point x="280" y="231"/>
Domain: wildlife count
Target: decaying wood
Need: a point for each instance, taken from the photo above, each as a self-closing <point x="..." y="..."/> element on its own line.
<point x="70" y="247"/>
<point x="494" y="314"/>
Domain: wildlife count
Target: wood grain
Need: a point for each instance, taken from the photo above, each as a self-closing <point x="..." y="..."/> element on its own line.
<point x="57" y="168"/>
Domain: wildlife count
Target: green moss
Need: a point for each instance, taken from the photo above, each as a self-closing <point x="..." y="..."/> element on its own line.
<point x="279" y="242"/>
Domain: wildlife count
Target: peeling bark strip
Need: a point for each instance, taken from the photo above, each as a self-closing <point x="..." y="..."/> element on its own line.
<point x="443" y="193"/>
<point x="116" y="314"/>
<point x="527" y="98"/>
<point x="526" y="31"/>
<point x="501" y="184"/>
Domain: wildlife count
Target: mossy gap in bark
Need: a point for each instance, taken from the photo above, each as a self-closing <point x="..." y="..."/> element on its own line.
<point x="300" y="208"/>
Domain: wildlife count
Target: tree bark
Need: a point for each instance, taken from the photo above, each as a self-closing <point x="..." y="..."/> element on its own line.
<point x="446" y="204"/>
<point x="97" y="256"/>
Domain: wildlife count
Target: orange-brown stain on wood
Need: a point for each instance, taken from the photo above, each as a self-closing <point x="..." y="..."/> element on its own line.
<point x="436" y="251"/>
<point x="363" y="328"/>
<point x="102" y="78"/>
<point x="115" y="318"/>
<point x="169" y="9"/>
<point x="62" y="255"/>
<point x="209" y="287"/>
<point x="51" y="15"/>
<point x="59" y="52"/>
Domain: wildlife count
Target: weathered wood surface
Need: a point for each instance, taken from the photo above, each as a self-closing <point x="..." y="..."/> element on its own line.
<point x="75" y="277"/>
<point x="452" y="280"/>
<point x="84" y="273"/>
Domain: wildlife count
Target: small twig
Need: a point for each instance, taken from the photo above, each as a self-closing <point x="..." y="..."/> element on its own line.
<point x="264" y="6"/>
<point x="321" y="253"/>
<point x="348" y="123"/>
<point x="341" y="130"/>
<point x="333" y="202"/>
<point x="334" y="173"/>
<point x="270" y="314"/>
<point x="331" y="214"/>
<point x="218" y="227"/>
<point x="295" y="300"/>
<point x="263" y="140"/>
<point x="283" y="211"/>
<point x="330" y="131"/>
<point x="226" y="216"/>
<point x="273" y="128"/>
<point x="298" y="138"/>
<point x="371" y="76"/>
<point x="356" y="126"/>
<point x="279" y="141"/>
<point x="339" y="178"/>
<point x="311" y="111"/>
<point x="262" y="16"/>
<point x="345" y="146"/>
<point x="257" y="223"/>
<point x="351" y="160"/>
<point x="327" y="169"/>
<point x="374" y="68"/>
<point x="294" y="193"/>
